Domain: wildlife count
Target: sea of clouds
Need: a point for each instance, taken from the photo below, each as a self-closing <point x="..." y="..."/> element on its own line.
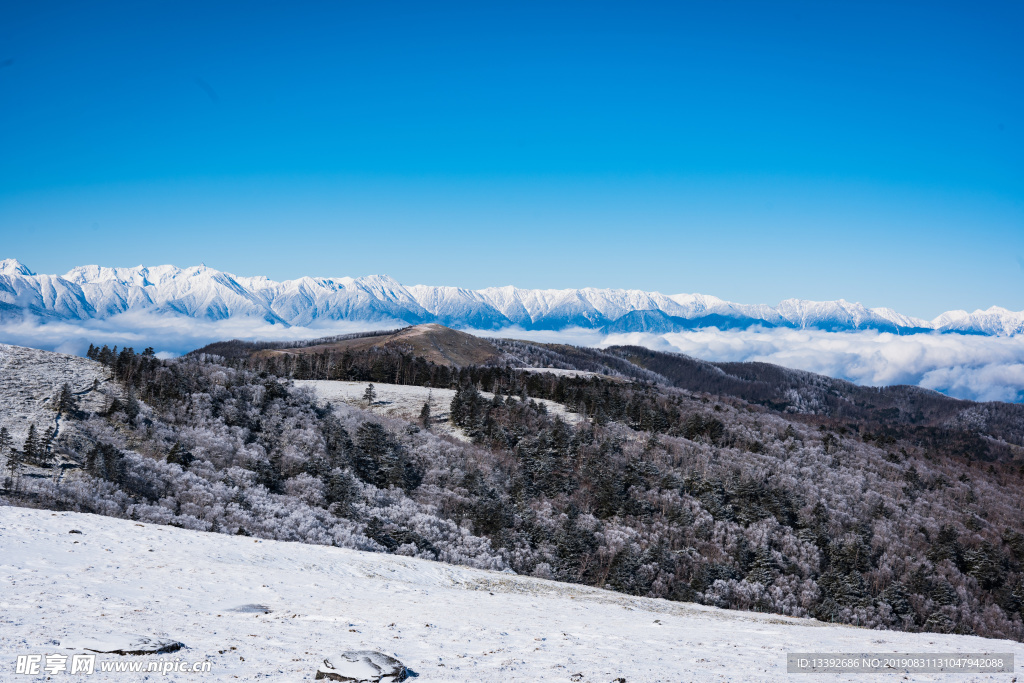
<point x="965" y="366"/>
<point x="972" y="367"/>
<point x="169" y="335"/>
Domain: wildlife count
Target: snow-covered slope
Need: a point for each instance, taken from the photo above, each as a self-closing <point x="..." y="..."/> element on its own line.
<point x="29" y="381"/>
<point x="274" y="610"/>
<point x="92" y="292"/>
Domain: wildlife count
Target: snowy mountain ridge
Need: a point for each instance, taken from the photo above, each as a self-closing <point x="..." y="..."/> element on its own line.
<point x="95" y="292"/>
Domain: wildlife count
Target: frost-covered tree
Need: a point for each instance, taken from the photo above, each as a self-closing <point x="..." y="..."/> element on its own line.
<point x="425" y="415"/>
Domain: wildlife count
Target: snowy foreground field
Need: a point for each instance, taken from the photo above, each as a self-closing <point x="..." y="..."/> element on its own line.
<point x="445" y="623"/>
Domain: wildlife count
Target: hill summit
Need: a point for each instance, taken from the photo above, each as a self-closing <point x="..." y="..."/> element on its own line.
<point x="435" y="343"/>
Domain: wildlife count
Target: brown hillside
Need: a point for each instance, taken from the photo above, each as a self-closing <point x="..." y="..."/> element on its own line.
<point x="436" y="343"/>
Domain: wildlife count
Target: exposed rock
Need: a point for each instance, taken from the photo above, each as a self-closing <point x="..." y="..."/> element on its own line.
<point x="124" y="644"/>
<point x="253" y="608"/>
<point x="362" y="666"/>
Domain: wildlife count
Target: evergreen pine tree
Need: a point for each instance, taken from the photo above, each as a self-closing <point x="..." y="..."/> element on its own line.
<point x="45" y="448"/>
<point x="179" y="456"/>
<point x="762" y="570"/>
<point x="425" y="415"/>
<point x="13" y="465"/>
<point x="30" y="451"/>
<point x="370" y="395"/>
<point x="66" y="402"/>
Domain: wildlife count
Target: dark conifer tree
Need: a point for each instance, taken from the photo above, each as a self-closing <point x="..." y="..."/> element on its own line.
<point x="425" y="415"/>
<point x="66" y="402"/>
<point x="31" y="450"/>
<point x="13" y="457"/>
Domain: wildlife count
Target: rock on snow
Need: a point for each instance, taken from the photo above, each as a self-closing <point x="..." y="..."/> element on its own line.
<point x="362" y="666"/>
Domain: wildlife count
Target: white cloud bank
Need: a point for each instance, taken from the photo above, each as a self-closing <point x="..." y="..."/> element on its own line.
<point x="168" y="335"/>
<point x="975" y="367"/>
<point x="965" y="366"/>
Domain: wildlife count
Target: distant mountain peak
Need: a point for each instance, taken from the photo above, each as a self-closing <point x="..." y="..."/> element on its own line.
<point x="91" y="292"/>
<point x="11" y="266"/>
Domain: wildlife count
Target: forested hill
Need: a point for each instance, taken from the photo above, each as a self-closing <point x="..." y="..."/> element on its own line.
<point x="929" y="420"/>
<point x="987" y="431"/>
<point x="657" y="488"/>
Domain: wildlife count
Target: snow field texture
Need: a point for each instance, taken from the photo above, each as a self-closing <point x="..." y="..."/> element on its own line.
<point x="446" y="623"/>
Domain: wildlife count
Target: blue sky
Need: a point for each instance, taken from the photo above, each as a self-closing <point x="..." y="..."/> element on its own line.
<point x="755" y="151"/>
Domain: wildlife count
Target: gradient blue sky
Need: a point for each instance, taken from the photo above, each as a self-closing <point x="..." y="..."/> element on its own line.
<point x="751" y="150"/>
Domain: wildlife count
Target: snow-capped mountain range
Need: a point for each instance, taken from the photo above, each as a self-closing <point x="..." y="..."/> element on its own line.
<point x="94" y="292"/>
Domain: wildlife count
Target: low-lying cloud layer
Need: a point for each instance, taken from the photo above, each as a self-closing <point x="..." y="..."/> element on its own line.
<point x="973" y="367"/>
<point x="168" y="335"/>
<point x="965" y="366"/>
